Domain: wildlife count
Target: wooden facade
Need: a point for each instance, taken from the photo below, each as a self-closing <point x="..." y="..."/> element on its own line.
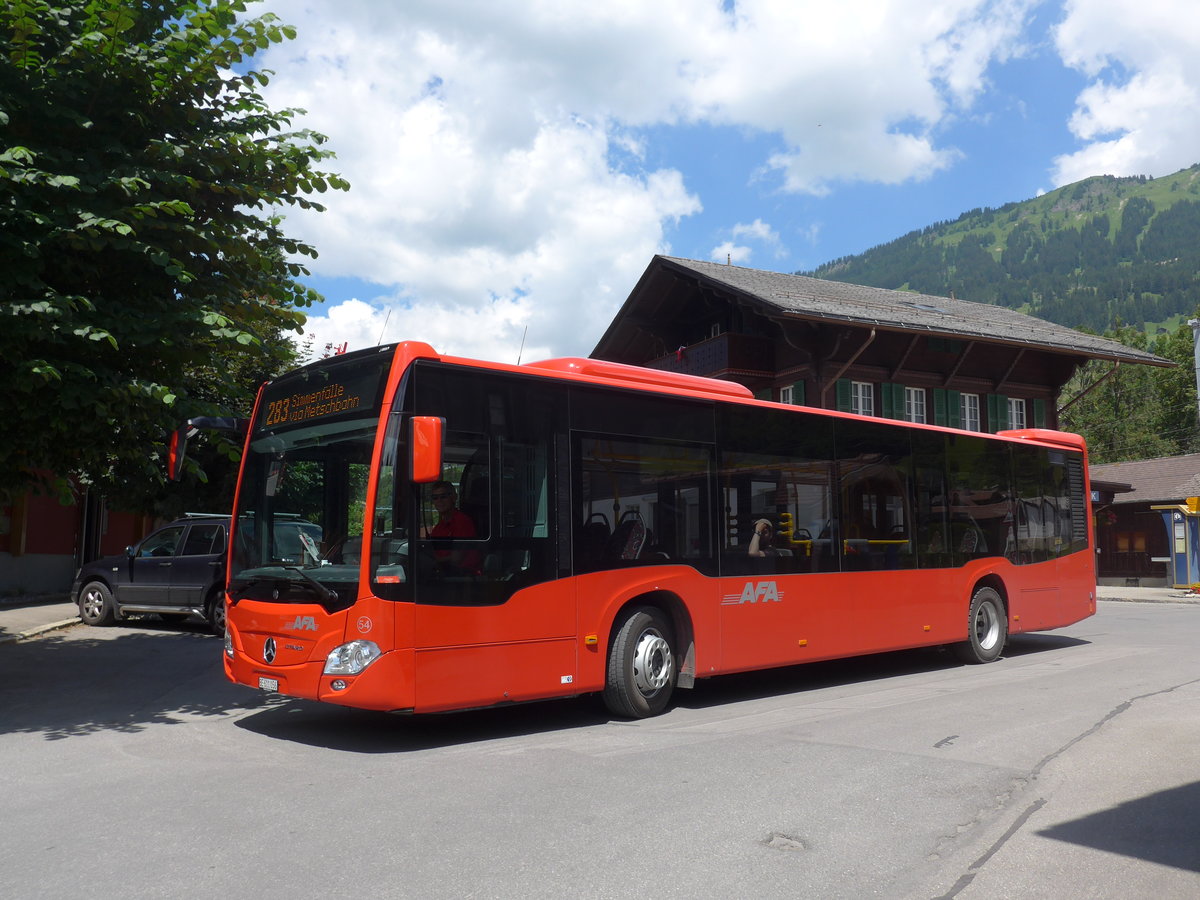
<point x="831" y="345"/>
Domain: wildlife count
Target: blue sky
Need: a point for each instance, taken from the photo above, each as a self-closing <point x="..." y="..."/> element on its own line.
<point x="515" y="165"/>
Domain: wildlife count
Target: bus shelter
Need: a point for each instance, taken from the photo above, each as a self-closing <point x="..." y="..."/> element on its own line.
<point x="1182" y="522"/>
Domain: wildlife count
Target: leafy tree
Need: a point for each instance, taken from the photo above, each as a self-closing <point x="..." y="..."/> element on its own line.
<point x="1136" y="412"/>
<point x="144" y="273"/>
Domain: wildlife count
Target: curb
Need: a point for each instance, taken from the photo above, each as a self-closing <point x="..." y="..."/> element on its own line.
<point x="37" y="630"/>
<point x="1185" y="599"/>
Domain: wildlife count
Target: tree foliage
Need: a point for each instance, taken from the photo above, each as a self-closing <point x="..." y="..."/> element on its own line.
<point x="1136" y="412"/>
<point x="144" y="272"/>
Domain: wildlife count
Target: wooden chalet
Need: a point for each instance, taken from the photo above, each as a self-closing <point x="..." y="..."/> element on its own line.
<point x="860" y="349"/>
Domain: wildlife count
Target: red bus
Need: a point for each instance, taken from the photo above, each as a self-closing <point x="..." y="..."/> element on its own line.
<point x="491" y="534"/>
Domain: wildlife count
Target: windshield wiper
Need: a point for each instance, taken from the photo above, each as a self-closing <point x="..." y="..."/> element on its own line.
<point x="327" y="595"/>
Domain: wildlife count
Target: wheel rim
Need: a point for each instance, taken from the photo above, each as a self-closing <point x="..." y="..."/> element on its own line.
<point x="653" y="664"/>
<point x="93" y="604"/>
<point x="218" y="615"/>
<point x="987" y="626"/>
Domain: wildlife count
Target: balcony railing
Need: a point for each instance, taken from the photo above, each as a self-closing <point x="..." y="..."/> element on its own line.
<point x="720" y="355"/>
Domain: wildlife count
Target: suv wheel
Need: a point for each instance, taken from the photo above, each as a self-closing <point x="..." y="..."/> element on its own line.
<point x="96" y="604"/>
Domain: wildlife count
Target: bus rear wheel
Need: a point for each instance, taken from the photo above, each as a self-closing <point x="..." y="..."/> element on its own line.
<point x="641" y="665"/>
<point x="987" y="628"/>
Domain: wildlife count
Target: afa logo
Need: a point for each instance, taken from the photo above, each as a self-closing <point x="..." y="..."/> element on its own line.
<point x="302" y="623"/>
<point x="755" y="592"/>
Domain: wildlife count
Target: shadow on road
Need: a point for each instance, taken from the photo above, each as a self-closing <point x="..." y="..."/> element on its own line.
<point x="72" y="683"/>
<point x="360" y="731"/>
<point x="1161" y="828"/>
<point x="125" y="679"/>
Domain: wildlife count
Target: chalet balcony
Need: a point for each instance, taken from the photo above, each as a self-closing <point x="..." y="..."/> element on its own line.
<point x="723" y="355"/>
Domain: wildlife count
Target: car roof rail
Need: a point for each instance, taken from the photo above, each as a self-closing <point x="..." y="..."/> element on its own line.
<point x="203" y="515"/>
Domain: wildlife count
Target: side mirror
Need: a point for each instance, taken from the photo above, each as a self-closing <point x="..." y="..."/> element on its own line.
<point x="177" y="449"/>
<point x="425" y="448"/>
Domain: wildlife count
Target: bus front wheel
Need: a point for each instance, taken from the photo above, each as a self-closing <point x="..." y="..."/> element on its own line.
<point x="641" y="665"/>
<point x="987" y="628"/>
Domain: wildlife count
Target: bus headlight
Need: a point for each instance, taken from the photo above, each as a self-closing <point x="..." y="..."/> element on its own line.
<point x="351" y="658"/>
<point x="228" y="643"/>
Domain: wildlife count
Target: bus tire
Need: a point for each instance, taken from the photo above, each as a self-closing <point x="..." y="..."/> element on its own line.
<point x="987" y="628"/>
<point x="214" y="612"/>
<point x="641" y="665"/>
<point x="96" y="604"/>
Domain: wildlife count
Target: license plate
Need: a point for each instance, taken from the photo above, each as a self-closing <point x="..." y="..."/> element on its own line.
<point x="268" y="684"/>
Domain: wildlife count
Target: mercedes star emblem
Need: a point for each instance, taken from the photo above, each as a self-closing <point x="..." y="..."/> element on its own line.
<point x="269" y="650"/>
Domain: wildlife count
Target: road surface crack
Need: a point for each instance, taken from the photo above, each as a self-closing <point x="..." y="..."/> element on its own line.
<point x="1019" y="784"/>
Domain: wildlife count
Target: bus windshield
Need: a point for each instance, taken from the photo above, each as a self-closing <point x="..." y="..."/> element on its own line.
<point x="299" y="518"/>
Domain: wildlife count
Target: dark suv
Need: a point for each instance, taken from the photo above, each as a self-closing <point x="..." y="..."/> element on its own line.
<point x="177" y="571"/>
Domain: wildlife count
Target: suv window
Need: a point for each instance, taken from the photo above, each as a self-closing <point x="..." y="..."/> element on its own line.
<point x="161" y="543"/>
<point x="205" y="540"/>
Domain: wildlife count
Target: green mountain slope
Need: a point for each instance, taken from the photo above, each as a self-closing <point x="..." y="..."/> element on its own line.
<point x="1091" y="254"/>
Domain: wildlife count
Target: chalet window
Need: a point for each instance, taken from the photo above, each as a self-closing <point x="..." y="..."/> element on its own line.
<point x="785" y="394"/>
<point x="914" y="404"/>
<point x="1016" y="413"/>
<point x="968" y="412"/>
<point x="862" y="398"/>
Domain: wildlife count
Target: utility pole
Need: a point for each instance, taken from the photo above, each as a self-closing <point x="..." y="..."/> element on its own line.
<point x="1195" y="323"/>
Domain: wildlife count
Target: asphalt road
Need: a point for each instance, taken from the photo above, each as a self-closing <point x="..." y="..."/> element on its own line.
<point x="129" y="768"/>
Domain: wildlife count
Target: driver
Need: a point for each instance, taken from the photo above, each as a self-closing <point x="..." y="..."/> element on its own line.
<point x="452" y="523"/>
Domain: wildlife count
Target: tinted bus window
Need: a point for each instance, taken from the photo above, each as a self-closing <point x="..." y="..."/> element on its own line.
<point x="931" y="513"/>
<point x="979" y="504"/>
<point x="776" y="466"/>
<point x="641" y="502"/>
<point x="875" y="488"/>
<point x="488" y="527"/>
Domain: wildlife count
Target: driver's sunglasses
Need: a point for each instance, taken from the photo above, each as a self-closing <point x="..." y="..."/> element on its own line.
<point x="441" y="496"/>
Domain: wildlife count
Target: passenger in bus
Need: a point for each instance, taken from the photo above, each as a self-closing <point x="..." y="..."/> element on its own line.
<point x="452" y="523"/>
<point x="760" y="542"/>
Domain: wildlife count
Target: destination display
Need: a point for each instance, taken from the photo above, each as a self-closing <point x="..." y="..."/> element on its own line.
<point x="351" y="389"/>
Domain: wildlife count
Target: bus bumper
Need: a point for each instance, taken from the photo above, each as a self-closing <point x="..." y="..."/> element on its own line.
<point x="386" y="684"/>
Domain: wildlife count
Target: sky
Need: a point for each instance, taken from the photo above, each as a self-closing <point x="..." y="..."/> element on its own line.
<point x="516" y="164"/>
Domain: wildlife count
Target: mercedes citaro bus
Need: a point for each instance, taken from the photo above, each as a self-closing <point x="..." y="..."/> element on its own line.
<point x="491" y="534"/>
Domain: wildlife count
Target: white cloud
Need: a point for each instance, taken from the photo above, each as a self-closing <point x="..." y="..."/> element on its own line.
<point x="758" y="232"/>
<point x="1140" y="113"/>
<point x="498" y="153"/>
<point x="729" y="252"/>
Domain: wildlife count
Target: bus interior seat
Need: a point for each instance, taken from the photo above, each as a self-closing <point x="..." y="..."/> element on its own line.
<point x="593" y="538"/>
<point x="628" y="537"/>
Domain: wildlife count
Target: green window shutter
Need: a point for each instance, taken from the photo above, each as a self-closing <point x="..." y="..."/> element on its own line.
<point x="939" y="407"/>
<point x="997" y="412"/>
<point x="1039" y="413"/>
<point x="893" y="401"/>
<point x="798" y="393"/>
<point x="954" y="409"/>
<point x="843" y="395"/>
<point x="764" y="393"/>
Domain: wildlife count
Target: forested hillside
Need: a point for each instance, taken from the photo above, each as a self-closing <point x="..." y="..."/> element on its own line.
<point x="1094" y="254"/>
<point x="1117" y="256"/>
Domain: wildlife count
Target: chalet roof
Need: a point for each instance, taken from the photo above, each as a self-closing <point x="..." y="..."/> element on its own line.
<point x="816" y="299"/>
<point x="1168" y="479"/>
